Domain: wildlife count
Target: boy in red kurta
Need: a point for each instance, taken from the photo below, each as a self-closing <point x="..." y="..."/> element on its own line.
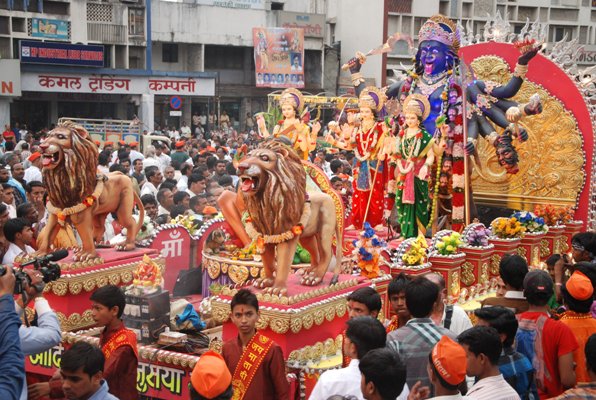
<point x="255" y="361"/>
<point x="118" y="344"/>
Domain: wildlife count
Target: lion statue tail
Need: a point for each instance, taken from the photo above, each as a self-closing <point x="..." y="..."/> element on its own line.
<point x="139" y="203"/>
<point x="338" y="253"/>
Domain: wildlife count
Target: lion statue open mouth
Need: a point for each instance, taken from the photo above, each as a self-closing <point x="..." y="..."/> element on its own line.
<point x="281" y="214"/>
<point x="76" y="192"/>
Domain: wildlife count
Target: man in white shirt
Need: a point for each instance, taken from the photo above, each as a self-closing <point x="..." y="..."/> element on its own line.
<point x="451" y="316"/>
<point x="196" y="185"/>
<point x="185" y="130"/>
<point x="185" y="172"/>
<point x="18" y="233"/>
<point x="135" y="154"/>
<point x="362" y="335"/>
<point x="8" y="199"/>
<point x="163" y="159"/>
<point x="154" y="179"/>
<point x="165" y="199"/>
<point x="33" y="173"/>
<point x="483" y="348"/>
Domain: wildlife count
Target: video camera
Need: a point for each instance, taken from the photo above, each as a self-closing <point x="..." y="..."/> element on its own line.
<point x="45" y="264"/>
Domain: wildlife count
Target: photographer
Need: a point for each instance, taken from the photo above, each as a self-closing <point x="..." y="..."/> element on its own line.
<point x="47" y="334"/>
<point x="583" y="249"/>
<point x="12" y="365"/>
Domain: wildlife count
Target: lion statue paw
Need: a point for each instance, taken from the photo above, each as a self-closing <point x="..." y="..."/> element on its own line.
<point x="276" y="291"/>
<point x="263" y="283"/>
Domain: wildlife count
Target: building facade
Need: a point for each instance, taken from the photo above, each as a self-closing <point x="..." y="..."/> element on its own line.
<point x="218" y="39"/>
<point x="86" y="59"/>
<point x="566" y="19"/>
<point x="202" y="52"/>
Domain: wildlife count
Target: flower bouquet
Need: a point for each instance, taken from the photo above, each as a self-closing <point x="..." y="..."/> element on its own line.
<point x="479" y="252"/>
<point x="192" y="223"/>
<point x="367" y="251"/>
<point x="449" y="244"/>
<point x="417" y="253"/>
<point x="554" y="215"/>
<point x="478" y="237"/>
<point x="507" y="228"/>
<point x="531" y="222"/>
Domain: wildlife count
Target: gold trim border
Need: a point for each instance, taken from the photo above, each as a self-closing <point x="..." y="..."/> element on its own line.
<point x="75" y="283"/>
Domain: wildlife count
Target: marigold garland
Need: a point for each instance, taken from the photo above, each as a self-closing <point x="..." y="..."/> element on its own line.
<point x="261" y="240"/>
<point x="63" y="214"/>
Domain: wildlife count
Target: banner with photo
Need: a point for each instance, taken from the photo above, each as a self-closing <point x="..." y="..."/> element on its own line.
<point x="50" y="28"/>
<point x="279" y="57"/>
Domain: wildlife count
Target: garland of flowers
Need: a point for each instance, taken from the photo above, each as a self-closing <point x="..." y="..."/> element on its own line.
<point x="261" y="240"/>
<point x="366" y="147"/>
<point x="87" y="202"/>
<point x="458" y="169"/>
<point x="433" y="209"/>
<point x="414" y="149"/>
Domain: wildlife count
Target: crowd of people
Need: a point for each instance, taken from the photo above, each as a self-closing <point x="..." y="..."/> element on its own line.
<point x="536" y="339"/>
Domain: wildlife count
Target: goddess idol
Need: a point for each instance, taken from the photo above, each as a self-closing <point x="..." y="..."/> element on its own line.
<point x="437" y="72"/>
<point x="303" y="139"/>
<point x="414" y="158"/>
<point x="369" y="171"/>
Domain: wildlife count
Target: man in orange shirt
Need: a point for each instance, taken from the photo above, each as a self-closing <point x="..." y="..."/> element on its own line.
<point x="577" y="295"/>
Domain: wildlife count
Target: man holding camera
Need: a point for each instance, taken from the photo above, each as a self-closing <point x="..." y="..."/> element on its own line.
<point x="47" y="334"/>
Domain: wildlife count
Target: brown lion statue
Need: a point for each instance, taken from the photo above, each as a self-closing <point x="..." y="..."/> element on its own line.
<point x="281" y="214"/>
<point x="78" y="194"/>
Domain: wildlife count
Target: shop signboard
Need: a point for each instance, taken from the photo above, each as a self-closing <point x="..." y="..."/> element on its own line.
<point x="61" y="54"/>
<point x="50" y="28"/>
<point x="313" y="24"/>
<point x="243" y="4"/>
<point x="279" y="57"/>
<point x="113" y="84"/>
<point x="10" y="79"/>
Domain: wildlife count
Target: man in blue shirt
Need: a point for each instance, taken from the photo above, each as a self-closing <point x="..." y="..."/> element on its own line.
<point x="47" y="334"/>
<point x="12" y="362"/>
<point x="81" y="369"/>
<point x="515" y="367"/>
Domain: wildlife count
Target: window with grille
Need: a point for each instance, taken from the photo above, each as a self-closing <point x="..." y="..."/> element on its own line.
<point x="400" y="6"/>
<point x="136" y="22"/>
<point x="99" y="12"/>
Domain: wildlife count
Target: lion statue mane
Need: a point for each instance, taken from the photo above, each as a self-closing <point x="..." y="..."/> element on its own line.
<point x="77" y="192"/>
<point x="81" y="158"/>
<point x="273" y="188"/>
<point x="277" y="207"/>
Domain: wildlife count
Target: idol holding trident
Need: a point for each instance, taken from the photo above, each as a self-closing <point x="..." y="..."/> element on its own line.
<point x="369" y="171"/>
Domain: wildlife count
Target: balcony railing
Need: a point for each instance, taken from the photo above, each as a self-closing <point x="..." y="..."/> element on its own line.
<point x="106" y="33"/>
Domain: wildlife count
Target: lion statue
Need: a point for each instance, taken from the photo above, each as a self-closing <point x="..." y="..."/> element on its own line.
<point x="281" y="214"/>
<point x="78" y="194"/>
